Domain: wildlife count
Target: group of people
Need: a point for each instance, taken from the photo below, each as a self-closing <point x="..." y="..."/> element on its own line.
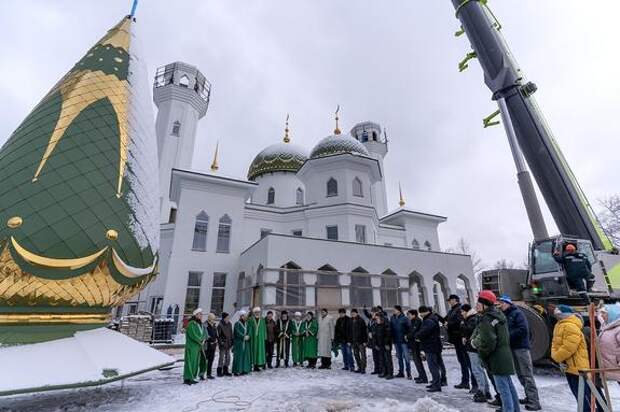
<point x="491" y="341"/>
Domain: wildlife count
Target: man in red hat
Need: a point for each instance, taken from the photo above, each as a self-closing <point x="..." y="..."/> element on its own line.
<point x="492" y="340"/>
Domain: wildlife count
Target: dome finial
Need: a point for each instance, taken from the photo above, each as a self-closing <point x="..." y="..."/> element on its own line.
<point x="214" y="165"/>
<point x="401" y="202"/>
<point x="337" y="129"/>
<point x="286" y="138"/>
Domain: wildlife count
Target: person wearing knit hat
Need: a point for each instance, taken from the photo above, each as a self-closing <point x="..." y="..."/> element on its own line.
<point x="570" y="350"/>
<point x="492" y="341"/>
<point x="225" y="343"/>
<point x="297" y="349"/>
<point x="520" y="347"/>
<point x="209" y="346"/>
<point x="194" y="338"/>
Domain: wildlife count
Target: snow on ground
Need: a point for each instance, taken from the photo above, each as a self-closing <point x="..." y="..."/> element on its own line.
<point x="282" y="390"/>
<point x="87" y="356"/>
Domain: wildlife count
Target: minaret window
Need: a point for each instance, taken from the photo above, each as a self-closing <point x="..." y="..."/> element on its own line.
<point x="428" y="245"/>
<point x="299" y="196"/>
<point x="223" y="235"/>
<point x="332" y="187"/>
<point x="374" y="136"/>
<point x="415" y="244"/>
<point x="357" y="188"/>
<point x="364" y="136"/>
<point x="184" y="81"/>
<point x="200" y="232"/>
<point x="176" y="128"/>
<point x="271" y="196"/>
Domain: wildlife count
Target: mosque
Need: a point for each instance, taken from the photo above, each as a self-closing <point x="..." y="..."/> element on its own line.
<point x="305" y="229"/>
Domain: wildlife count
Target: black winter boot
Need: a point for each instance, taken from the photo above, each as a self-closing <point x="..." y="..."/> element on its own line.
<point x="218" y="372"/>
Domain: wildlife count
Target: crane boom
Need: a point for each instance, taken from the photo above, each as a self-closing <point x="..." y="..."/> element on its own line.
<point x="568" y="204"/>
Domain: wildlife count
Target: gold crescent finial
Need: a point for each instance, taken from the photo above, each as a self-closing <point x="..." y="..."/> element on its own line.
<point x="337" y="129"/>
<point x="286" y="138"/>
<point x="214" y="165"/>
<point x="401" y="202"/>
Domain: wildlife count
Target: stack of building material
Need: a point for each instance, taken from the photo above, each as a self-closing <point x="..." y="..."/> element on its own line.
<point x="138" y="327"/>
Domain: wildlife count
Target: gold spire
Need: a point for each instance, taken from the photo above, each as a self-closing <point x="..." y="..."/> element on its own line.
<point x="286" y="138"/>
<point x="337" y="130"/>
<point x="401" y="202"/>
<point x="214" y="165"/>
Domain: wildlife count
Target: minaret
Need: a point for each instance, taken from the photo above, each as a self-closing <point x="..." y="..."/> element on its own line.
<point x="369" y="133"/>
<point x="181" y="93"/>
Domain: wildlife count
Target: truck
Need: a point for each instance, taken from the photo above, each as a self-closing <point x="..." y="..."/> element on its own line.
<point x="544" y="283"/>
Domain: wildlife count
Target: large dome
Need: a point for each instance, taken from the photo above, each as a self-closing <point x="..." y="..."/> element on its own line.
<point x="279" y="157"/>
<point x="338" y="144"/>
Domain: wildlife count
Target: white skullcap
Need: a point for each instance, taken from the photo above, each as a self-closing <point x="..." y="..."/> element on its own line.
<point x="256" y="309"/>
<point x="297" y="313"/>
<point x="243" y="312"/>
<point x="197" y="311"/>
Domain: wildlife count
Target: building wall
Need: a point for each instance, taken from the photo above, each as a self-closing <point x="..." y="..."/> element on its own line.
<point x="285" y="185"/>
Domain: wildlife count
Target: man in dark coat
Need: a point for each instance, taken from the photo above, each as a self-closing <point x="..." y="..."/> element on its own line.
<point x="429" y="338"/>
<point x="492" y="340"/>
<point x="270" y="337"/>
<point x="578" y="270"/>
<point x="414" y="346"/>
<point x="359" y="337"/>
<point x="453" y="320"/>
<point x="372" y="327"/>
<point x="225" y="343"/>
<point x="520" y="347"/>
<point x="209" y="347"/>
<point x="400" y="327"/>
<point x="343" y="338"/>
<point x="284" y="339"/>
<point x="383" y="340"/>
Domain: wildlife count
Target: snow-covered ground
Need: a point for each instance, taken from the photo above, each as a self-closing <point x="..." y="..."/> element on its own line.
<point x="280" y="390"/>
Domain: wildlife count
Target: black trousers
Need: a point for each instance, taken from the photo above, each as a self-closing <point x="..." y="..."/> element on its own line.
<point x="210" y="355"/>
<point x="434" y="362"/>
<point x="377" y="360"/>
<point x="442" y="368"/>
<point x="326" y="362"/>
<point x="269" y="352"/>
<point x="387" y="364"/>
<point x="417" y="361"/>
<point x="283" y="351"/>
<point x="463" y="358"/>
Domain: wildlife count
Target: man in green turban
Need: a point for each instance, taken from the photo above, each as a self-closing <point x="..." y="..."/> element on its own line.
<point x="193" y="348"/>
<point x="297" y="340"/>
<point x="310" y="331"/>
<point x="258" y="334"/>
<point x="241" y="346"/>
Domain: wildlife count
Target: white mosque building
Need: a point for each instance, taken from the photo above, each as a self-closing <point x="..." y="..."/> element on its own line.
<point x="305" y="229"/>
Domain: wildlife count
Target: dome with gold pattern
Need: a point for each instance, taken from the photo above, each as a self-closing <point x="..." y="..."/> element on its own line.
<point x="79" y="230"/>
<point x="279" y="157"/>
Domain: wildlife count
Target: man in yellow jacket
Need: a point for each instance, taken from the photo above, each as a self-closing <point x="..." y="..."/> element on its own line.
<point x="569" y="349"/>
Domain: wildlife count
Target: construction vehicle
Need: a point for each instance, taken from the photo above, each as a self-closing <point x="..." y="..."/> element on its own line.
<point x="531" y="140"/>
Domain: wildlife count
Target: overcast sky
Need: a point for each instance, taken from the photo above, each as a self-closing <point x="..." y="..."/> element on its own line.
<point x="393" y="62"/>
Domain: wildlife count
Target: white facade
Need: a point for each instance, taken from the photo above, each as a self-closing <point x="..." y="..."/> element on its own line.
<point x="303" y="231"/>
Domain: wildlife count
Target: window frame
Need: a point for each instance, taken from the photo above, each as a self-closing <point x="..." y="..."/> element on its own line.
<point x="220" y="289"/>
<point x="363" y="233"/>
<point x="332" y="187"/>
<point x="201" y="219"/>
<point x="271" y="196"/>
<point x="327" y="228"/>
<point x="358" y="187"/>
<point x="195" y="288"/>
<point x="176" y="129"/>
<point x="225" y="223"/>
<point x="299" y="196"/>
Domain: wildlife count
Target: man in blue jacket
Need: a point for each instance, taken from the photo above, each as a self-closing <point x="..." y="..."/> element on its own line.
<point x="400" y="327"/>
<point x="520" y="347"/>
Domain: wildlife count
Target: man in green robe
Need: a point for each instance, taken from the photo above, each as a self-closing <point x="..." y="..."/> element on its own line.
<point x="297" y="340"/>
<point x="258" y="334"/>
<point x="193" y="348"/>
<point x="310" y="330"/>
<point x="241" y="346"/>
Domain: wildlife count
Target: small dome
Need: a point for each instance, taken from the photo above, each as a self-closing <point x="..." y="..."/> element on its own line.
<point x="338" y="144"/>
<point x="279" y="157"/>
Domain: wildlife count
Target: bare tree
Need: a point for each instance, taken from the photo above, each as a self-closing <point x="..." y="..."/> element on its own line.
<point x="504" y="264"/>
<point x="610" y="217"/>
<point x="463" y="246"/>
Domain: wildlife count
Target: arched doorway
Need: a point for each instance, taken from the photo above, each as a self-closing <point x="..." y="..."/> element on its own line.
<point x="390" y="295"/>
<point x="463" y="289"/>
<point x="290" y="288"/>
<point x="361" y="288"/>
<point x="417" y="290"/>
<point x="328" y="293"/>
<point x="441" y="291"/>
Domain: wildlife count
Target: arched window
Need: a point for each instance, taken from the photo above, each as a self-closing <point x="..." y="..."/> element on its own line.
<point x="357" y="187"/>
<point x="332" y="187"/>
<point x="271" y="196"/>
<point x="223" y="235"/>
<point x="176" y="128"/>
<point x="364" y="136"/>
<point x="428" y="245"/>
<point x="389" y="289"/>
<point x="299" y="196"/>
<point x="290" y="288"/>
<point x="243" y="291"/>
<point x="374" y="136"/>
<point x="441" y="291"/>
<point x="184" y="81"/>
<point x="200" y="232"/>
<point x="415" y="244"/>
<point x="417" y="289"/>
<point x="361" y="288"/>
